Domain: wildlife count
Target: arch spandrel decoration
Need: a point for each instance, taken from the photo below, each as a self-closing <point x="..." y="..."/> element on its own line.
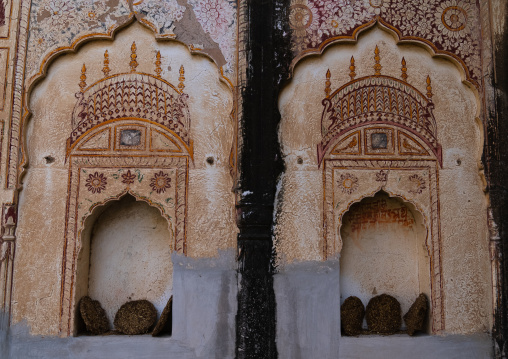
<point x="450" y="28"/>
<point x="379" y="133"/>
<point x="131" y="134"/>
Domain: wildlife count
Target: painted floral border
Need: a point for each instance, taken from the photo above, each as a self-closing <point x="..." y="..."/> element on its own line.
<point x="450" y="26"/>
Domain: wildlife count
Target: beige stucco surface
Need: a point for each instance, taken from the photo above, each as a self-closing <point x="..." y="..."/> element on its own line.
<point x="462" y="202"/>
<point x="41" y="230"/>
<point x="130" y="257"/>
<point x="381" y="256"/>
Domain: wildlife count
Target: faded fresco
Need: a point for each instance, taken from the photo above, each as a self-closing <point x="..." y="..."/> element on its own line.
<point x="207" y="26"/>
<point x="371" y="117"/>
<point x="450" y="27"/>
<point x="132" y="117"/>
<point x="141" y="100"/>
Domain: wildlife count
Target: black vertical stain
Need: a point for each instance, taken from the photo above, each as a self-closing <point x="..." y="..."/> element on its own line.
<point x="269" y="56"/>
<point x="496" y="163"/>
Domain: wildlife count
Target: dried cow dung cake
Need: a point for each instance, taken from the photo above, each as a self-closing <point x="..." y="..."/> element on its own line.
<point x="416" y="315"/>
<point x="93" y="315"/>
<point x="383" y="314"/>
<point x="135" y="317"/>
<point x="164" y="323"/>
<point x="352" y="312"/>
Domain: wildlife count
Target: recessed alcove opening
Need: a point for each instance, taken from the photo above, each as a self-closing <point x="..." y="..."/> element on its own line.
<point x="384" y="252"/>
<point x="125" y="255"/>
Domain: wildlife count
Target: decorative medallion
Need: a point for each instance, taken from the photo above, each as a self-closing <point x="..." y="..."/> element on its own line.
<point x="96" y="183"/>
<point x="348" y="183"/>
<point x="300" y="17"/>
<point x="454" y="18"/>
<point x="160" y="182"/>
<point x="417" y="184"/>
<point x="451" y="27"/>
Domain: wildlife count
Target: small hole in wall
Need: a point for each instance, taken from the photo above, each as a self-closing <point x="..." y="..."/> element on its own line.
<point x="49" y="159"/>
<point x="210" y="160"/>
<point x="299" y="160"/>
<point x="459" y="162"/>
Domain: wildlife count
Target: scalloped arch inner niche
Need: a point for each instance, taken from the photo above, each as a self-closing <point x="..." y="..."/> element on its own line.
<point x="384" y="251"/>
<point x="125" y="255"/>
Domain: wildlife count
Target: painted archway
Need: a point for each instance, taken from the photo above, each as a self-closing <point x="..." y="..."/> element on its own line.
<point x="130" y="135"/>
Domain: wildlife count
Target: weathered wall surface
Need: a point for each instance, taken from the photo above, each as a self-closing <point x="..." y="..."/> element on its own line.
<point x="383" y="255"/>
<point x="495" y="157"/>
<point x="203" y="321"/>
<point x="130" y="257"/>
<point x="463" y="237"/>
<point x="308" y="319"/>
<point x="189" y="174"/>
<point x="209" y="221"/>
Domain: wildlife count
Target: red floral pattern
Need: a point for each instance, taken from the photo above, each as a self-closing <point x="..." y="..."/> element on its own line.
<point x="128" y="178"/>
<point x="160" y="182"/>
<point x="96" y="183"/>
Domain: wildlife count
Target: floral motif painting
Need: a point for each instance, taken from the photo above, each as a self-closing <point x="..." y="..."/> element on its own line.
<point x="450" y="26"/>
<point x="59" y="24"/>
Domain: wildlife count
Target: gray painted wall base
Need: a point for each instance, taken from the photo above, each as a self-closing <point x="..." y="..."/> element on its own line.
<point x="308" y="315"/>
<point x="204" y="309"/>
<point x="308" y="324"/>
<point x="477" y="346"/>
<point x="4" y="335"/>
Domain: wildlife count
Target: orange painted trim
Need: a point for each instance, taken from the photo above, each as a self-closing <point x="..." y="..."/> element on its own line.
<point x="117" y="146"/>
<point x="10" y="2"/>
<point x="131" y="73"/>
<point x="163" y="134"/>
<point x="85" y="141"/>
<point x="189" y="147"/>
<point x="3" y="99"/>
<point x="401" y="82"/>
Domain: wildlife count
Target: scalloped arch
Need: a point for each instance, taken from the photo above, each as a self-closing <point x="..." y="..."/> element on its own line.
<point x="18" y="160"/>
<point x="378" y="20"/>
<point x="96" y="208"/>
<point x="390" y="194"/>
<point x="110" y="35"/>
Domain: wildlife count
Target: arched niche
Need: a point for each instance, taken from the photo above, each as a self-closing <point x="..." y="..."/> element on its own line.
<point x="340" y="144"/>
<point x="384" y="251"/>
<point x="126" y="247"/>
<point x="173" y="118"/>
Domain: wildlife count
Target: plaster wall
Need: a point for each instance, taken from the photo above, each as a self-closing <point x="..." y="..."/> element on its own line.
<point x="308" y="323"/>
<point x="204" y="308"/>
<point x="42" y="204"/>
<point x="130" y="257"/>
<point x="378" y="257"/>
<point x="463" y="236"/>
<point x="308" y="319"/>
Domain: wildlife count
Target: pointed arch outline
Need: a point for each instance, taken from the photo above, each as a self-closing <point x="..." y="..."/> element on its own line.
<point x="428" y="198"/>
<point x="391" y="194"/>
<point x="379" y="21"/>
<point x="18" y="160"/>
